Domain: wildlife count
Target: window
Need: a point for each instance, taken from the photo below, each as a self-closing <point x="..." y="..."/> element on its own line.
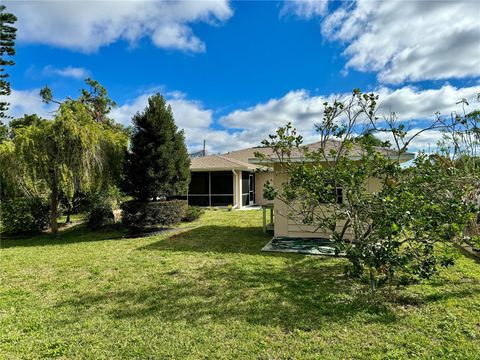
<point x="339" y="191"/>
<point x="335" y="194"/>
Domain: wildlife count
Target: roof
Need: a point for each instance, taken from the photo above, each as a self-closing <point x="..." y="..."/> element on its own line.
<point x="244" y="159"/>
<point x="355" y="152"/>
<point x="220" y="162"/>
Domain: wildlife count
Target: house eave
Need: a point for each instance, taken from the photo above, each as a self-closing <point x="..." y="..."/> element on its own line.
<point x="265" y="162"/>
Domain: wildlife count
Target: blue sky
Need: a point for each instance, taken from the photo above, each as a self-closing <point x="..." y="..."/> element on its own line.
<point x="235" y="71"/>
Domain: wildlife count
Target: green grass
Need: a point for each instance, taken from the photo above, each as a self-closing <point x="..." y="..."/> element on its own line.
<point x="208" y="292"/>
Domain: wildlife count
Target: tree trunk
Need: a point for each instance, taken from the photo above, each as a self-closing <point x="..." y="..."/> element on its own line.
<point x="372" y="280"/>
<point x="69" y="210"/>
<point x="54" y="205"/>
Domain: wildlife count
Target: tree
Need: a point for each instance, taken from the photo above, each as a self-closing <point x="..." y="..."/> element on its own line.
<point x="98" y="104"/>
<point x="408" y="225"/>
<point x="95" y="99"/>
<point x="7" y="48"/>
<point x="71" y="152"/>
<point x="157" y="165"/>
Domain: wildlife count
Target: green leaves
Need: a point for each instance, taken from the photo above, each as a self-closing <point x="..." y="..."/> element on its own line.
<point x="395" y="216"/>
<point x="157" y="165"/>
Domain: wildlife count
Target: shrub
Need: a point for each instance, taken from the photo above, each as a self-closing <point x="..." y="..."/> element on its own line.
<point x="101" y="208"/>
<point x="99" y="217"/>
<point x="193" y="213"/>
<point x="137" y="215"/>
<point x="25" y="215"/>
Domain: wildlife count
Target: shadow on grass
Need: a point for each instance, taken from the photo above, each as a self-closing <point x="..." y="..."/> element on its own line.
<point x="294" y="292"/>
<point x="75" y="234"/>
<point x="292" y="297"/>
<point x="216" y="239"/>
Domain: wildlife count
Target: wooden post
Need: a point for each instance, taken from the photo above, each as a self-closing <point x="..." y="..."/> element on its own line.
<point x="264" y="209"/>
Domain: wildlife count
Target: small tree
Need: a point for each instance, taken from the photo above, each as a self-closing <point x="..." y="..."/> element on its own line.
<point x="157" y="165"/>
<point x="392" y="230"/>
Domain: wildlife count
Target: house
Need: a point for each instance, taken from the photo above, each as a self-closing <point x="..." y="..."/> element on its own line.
<point x="285" y="225"/>
<point x="237" y="178"/>
<point x="228" y="179"/>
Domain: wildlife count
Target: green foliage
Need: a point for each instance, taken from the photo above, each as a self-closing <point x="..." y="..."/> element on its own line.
<point x="101" y="205"/>
<point x="96" y="99"/>
<point x="407" y="226"/>
<point x="69" y="154"/>
<point x="3" y="131"/>
<point x="99" y="217"/>
<point x="7" y="49"/>
<point x="193" y="213"/>
<point x="137" y="215"/>
<point x="24" y="215"/>
<point x="157" y="166"/>
<point x="23" y="122"/>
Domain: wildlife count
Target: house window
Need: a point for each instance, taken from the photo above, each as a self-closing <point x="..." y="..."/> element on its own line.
<point x="339" y="192"/>
<point x="335" y="195"/>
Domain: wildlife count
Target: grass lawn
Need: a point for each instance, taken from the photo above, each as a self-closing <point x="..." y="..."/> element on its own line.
<point x="208" y="292"/>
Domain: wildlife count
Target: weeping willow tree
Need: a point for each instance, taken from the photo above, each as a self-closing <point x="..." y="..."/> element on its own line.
<point x="72" y="152"/>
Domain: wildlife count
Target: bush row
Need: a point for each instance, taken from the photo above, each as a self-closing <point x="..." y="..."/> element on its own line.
<point x="31" y="215"/>
<point x="139" y="216"/>
<point x="24" y="215"/>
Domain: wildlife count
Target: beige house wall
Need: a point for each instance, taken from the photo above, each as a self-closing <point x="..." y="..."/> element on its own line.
<point x="285" y="226"/>
<point x="261" y="179"/>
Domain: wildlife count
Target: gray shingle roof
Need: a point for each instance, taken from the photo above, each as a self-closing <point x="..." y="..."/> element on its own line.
<point x="242" y="159"/>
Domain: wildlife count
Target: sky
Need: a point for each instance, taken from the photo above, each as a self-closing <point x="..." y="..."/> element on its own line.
<point x="234" y="72"/>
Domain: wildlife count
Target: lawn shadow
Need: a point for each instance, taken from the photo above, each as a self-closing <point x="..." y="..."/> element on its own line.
<point x="297" y="292"/>
<point x="74" y="234"/>
<point x="294" y="297"/>
<point x="217" y="239"/>
<point x="302" y="294"/>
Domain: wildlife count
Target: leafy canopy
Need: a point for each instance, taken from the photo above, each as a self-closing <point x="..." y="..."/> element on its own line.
<point x="157" y="165"/>
<point x="352" y="188"/>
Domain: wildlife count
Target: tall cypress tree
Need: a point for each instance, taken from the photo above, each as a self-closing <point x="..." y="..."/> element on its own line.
<point x="157" y="165"/>
<point x="7" y="49"/>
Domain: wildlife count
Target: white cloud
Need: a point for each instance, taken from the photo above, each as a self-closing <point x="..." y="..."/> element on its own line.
<point x="425" y="141"/>
<point x="28" y="102"/>
<point x="257" y="122"/>
<point x="411" y="103"/>
<point x="86" y="26"/>
<point x="305" y="9"/>
<point x="69" y="71"/>
<point x="248" y="127"/>
<point x="303" y="110"/>
<point x="409" y="40"/>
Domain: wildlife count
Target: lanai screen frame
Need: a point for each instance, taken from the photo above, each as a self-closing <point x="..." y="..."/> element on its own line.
<point x="209" y="192"/>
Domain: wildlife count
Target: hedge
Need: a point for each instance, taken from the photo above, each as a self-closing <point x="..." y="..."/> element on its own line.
<point x="24" y="215"/>
<point x="138" y="215"/>
<point x="193" y="213"/>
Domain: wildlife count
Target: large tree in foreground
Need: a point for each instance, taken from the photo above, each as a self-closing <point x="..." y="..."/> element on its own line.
<point x="72" y="152"/>
<point x="408" y="225"/>
<point x="80" y="150"/>
<point x="157" y="166"/>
